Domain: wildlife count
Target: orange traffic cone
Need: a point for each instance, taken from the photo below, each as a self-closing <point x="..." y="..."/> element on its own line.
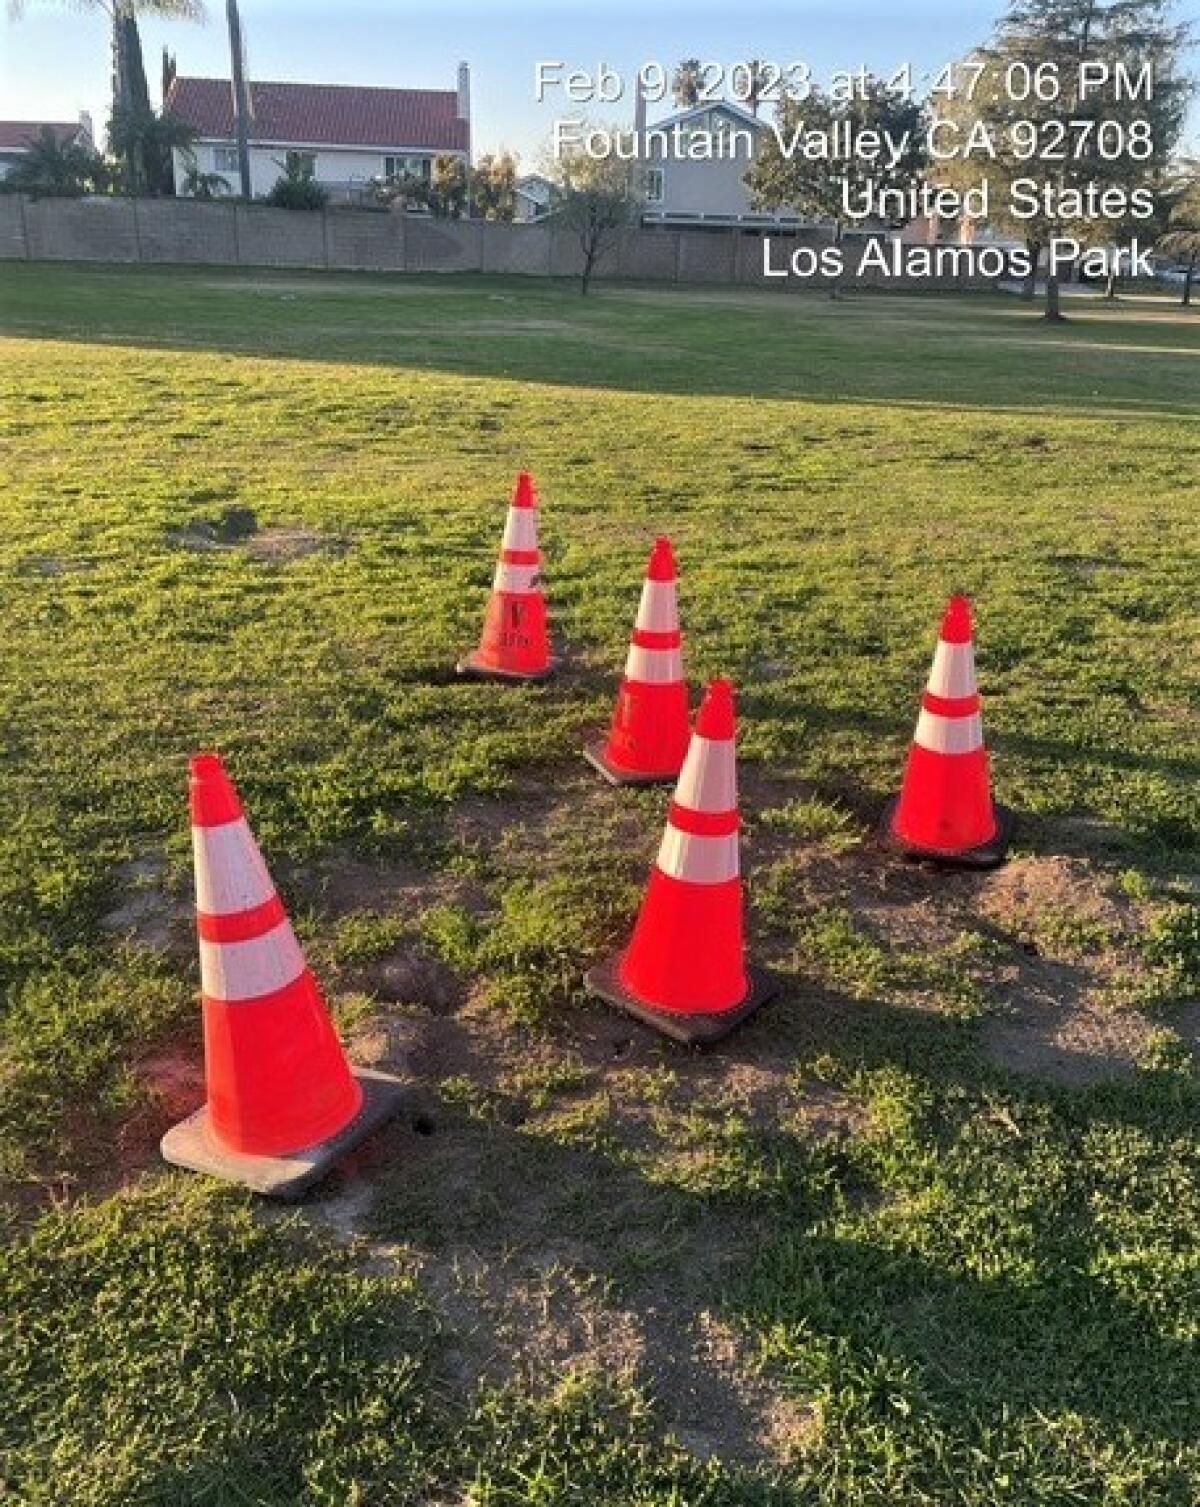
<point x="649" y="734"/>
<point x="515" y="643"/>
<point x="283" y="1103"/>
<point x="684" y="971"/>
<point x="945" y="810"/>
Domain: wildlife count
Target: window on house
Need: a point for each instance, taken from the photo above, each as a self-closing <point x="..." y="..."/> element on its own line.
<point x="654" y="185"/>
<point x="407" y="167"/>
<point x="302" y="163"/>
<point x="225" y="159"/>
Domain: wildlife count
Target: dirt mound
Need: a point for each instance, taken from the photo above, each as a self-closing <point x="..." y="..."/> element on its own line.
<point x="237" y="528"/>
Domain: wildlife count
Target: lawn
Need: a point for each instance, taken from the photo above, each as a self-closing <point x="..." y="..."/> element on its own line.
<point x="925" y="1231"/>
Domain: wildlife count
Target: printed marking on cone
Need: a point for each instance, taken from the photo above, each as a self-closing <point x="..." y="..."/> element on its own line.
<point x="515" y="644"/>
<point x="648" y="735"/>
<point x="945" y="810"/>
<point x="684" y="971"/>
<point x="283" y="1103"/>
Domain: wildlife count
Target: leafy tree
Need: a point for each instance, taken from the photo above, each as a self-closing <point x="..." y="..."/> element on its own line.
<point x="448" y="187"/>
<point x="1182" y="238"/>
<point x="756" y="81"/>
<point x="296" y="188"/>
<point x="52" y="169"/>
<point x="443" y="193"/>
<point x="494" y="187"/>
<point x="141" y="141"/>
<point x="594" y="198"/>
<point x="959" y="109"/>
<point x="130" y="101"/>
<point x="406" y="190"/>
<point x="819" y="188"/>
<point x="687" y="82"/>
<point x="1060" y="36"/>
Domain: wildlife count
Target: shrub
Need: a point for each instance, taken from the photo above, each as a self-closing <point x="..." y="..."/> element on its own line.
<point x="296" y="188"/>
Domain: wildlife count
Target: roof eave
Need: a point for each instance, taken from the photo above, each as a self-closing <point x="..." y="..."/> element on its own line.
<point x="223" y="138"/>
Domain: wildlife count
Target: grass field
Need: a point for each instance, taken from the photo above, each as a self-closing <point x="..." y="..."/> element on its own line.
<point x="923" y="1233"/>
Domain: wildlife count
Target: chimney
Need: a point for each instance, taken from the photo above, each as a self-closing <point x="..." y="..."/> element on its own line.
<point x="168" y="74"/>
<point x="86" y="133"/>
<point x="637" y="167"/>
<point x="464" y="92"/>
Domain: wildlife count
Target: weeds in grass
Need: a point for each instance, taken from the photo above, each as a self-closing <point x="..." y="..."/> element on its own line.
<point x="973" y="1288"/>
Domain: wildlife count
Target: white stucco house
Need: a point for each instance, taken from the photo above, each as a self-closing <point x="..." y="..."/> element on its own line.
<point x="345" y="135"/>
<point x="534" y="194"/>
<point x="17" y="136"/>
<point x="681" y="189"/>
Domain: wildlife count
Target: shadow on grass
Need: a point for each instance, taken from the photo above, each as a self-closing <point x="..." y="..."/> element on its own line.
<point x="944" y="1279"/>
<point x="966" y="353"/>
<point x="1172" y="831"/>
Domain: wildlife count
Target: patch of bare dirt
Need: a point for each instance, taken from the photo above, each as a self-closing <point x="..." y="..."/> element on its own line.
<point x="1055" y="1021"/>
<point x="408" y="976"/>
<point x="148" y="915"/>
<point x="1025" y="888"/>
<point x="536" y="1256"/>
<point x="536" y="1323"/>
<point x="102" y="1158"/>
<point x="238" y="528"/>
<point x="1053" y="1034"/>
<point x="282" y="544"/>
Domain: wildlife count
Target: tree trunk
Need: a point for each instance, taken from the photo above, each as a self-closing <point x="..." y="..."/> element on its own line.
<point x="241" y="98"/>
<point x="121" y="92"/>
<point x="835" y="287"/>
<point x="1053" y="306"/>
<point x="1029" y="286"/>
<point x="1187" y="281"/>
<point x="589" y="261"/>
<point x="1110" y="285"/>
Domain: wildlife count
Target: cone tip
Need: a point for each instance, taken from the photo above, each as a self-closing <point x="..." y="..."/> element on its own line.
<point x="662" y="561"/>
<point x="524" y="495"/>
<point x="956" y="624"/>
<point x="715" y="718"/>
<point x="212" y="796"/>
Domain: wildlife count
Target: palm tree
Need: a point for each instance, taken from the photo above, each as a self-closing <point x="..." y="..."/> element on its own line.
<point x="685" y="86"/>
<point x="241" y="99"/>
<point x="1183" y="228"/>
<point x="50" y="167"/>
<point x="126" y="48"/>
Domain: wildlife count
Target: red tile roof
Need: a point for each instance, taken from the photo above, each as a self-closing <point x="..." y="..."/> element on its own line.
<point x="15" y="135"/>
<point x="324" y="114"/>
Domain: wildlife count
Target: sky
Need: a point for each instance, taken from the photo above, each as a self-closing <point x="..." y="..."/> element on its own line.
<point x="54" y="61"/>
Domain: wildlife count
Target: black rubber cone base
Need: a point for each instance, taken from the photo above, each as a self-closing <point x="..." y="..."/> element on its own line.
<point x="469" y="667"/>
<point x="615" y="775"/>
<point x="989" y="855"/>
<point x="191" y="1144"/>
<point x="692" y="1030"/>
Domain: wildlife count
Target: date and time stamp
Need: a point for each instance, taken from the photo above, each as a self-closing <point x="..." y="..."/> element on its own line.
<point x="1063" y="133"/>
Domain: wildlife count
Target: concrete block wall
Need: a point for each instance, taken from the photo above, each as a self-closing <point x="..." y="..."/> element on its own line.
<point x="81" y="230"/>
<point x="13" y="244"/>
<point x="650" y="256"/>
<point x="365" y="242"/>
<point x="566" y="257"/>
<point x="257" y="235"/>
<point x="280" y="237"/>
<point x="517" y="248"/>
<point x="705" y="258"/>
<point x="180" y="230"/>
<point x="443" y="245"/>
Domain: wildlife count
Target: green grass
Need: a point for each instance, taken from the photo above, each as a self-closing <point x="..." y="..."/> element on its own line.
<point x="947" y="1269"/>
